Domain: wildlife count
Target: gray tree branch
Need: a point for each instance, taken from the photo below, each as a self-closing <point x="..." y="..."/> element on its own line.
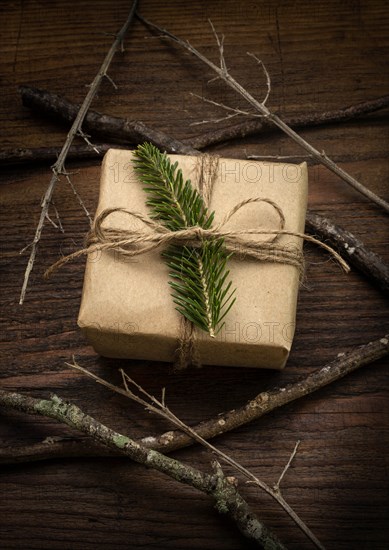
<point x="227" y="499"/>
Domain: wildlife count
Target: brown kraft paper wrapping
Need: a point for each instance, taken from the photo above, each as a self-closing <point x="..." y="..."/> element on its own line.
<point x="127" y="310"/>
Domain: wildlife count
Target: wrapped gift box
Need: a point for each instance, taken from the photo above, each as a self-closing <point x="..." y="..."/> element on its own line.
<point x="127" y="310"/>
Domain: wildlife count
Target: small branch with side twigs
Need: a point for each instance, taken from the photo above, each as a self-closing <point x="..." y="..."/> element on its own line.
<point x="260" y="126"/>
<point x="133" y="132"/>
<point x="257" y="407"/>
<point x="264" y="403"/>
<point x="58" y="168"/>
<point x="260" y="107"/>
<point x="227" y="499"/>
<point x="276" y="486"/>
<point x="158" y="407"/>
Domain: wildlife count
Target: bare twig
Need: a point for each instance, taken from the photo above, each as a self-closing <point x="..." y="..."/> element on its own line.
<point x="16" y="157"/>
<point x="59" y="166"/>
<point x="287" y="466"/>
<point x="254" y="126"/>
<point x="233" y="111"/>
<point x="130" y="131"/>
<point x="224" y="75"/>
<point x="152" y="404"/>
<point x="351" y="248"/>
<point x="227" y="498"/>
<point x="261" y="405"/>
<point x="77" y="195"/>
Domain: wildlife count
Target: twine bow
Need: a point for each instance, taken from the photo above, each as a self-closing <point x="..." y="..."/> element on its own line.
<point x="133" y="242"/>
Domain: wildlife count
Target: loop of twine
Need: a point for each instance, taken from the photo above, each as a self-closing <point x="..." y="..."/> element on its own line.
<point x="134" y="242"/>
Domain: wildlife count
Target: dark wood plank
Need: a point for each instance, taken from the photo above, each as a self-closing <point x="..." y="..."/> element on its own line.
<point x="323" y="57"/>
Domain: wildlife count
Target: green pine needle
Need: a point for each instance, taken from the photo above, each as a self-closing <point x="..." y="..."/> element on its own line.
<point x="199" y="275"/>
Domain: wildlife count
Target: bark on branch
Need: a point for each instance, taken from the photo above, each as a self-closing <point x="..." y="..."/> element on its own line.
<point x="351" y="248"/>
<point x="132" y="131"/>
<point x="227" y="499"/>
<point x="264" y="403"/>
<point x="115" y="128"/>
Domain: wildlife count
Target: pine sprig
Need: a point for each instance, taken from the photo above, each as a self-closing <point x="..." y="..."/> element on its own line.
<point x="199" y="274"/>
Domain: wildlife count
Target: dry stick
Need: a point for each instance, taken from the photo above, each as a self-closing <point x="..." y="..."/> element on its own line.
<point x="130" y="131"/>
<point x="58" y="167"/>
<point x="159" y="407"/>
<point x="351" y="249"/>
<point x="264" y="403"/>
<point x="253" y="127"/>
<point x="261" y="108"/>
<point x="343" y="157"/>
<point x="227" y="498"/>
<point x="267" y="401"/>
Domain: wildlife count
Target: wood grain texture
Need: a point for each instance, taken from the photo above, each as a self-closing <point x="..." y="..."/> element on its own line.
<point x="326" y="57"/>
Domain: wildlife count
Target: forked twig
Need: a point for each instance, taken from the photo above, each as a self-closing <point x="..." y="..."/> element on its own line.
<point x="227" y="499"/>
<point x="260" y="107"/>
<point x="158" y="406"/>
<point x="276" y="487"/>
<point x="264" y="403"/>
<point x="59" y="167"/>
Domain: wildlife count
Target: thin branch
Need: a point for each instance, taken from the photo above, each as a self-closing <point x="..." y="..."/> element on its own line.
<point x="156" y="406"/>
<point x="227" y="498"/>
<point x="78" y="196"/>
<point x="59" y="165"/>
<point x="270" y="400"/>
<point x="16" y="157"/>
<point x="268" y="81"/>
<point x="252" y="127"/>
<point x="276" y="487"/>
<point x="261" y="108"/>
<point x="59" y="223"/>
<point x="234" y="110"/>
<point x="264" y="403"/>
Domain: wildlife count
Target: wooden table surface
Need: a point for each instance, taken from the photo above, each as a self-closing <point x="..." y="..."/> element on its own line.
<point x="320" y="56"/>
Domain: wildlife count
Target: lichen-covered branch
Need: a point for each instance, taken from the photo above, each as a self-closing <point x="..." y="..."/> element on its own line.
<point x="159" y="407"/>
<point x="264" y="403"/>
<point x="228" y="500"/>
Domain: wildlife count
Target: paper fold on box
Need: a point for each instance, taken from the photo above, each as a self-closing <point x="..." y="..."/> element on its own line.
<point x="127" y="310"/>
